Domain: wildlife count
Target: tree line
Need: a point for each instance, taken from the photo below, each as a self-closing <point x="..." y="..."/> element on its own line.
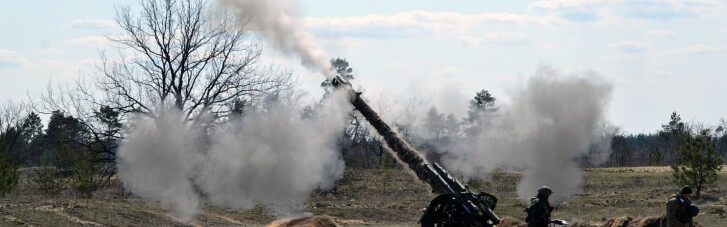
<point x="664" y="146"/>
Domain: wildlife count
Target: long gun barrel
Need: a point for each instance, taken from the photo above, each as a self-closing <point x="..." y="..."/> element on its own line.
<point x="401" y="148"/>
<point x="456" y="205"/>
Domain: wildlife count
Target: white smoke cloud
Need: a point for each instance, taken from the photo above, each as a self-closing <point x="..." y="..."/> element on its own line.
<point x="274" y="157"/>
<point x="157" y="160"/>
<point x="550" y="123"/>
<point x="269" y="157"/>
<point x="280" y="23"/>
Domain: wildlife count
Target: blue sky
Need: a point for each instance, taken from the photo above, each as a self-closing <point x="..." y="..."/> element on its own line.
<point x="660" y="55"/>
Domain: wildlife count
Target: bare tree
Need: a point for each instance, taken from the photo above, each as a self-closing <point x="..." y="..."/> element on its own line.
<point x="11" y="114"/>
<point x="12" y="117"/>
<point x="185" y="55"/>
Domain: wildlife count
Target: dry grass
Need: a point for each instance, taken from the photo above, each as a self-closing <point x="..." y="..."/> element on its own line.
<point x="359" y="199"/>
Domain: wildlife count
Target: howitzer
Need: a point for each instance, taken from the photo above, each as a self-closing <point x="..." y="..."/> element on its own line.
<point x="455" y="205"/>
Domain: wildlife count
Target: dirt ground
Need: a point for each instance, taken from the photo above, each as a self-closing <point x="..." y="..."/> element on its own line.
<point x="371" y="198"/>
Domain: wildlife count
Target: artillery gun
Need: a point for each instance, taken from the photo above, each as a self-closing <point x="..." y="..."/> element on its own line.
<point x="455" y="205"/>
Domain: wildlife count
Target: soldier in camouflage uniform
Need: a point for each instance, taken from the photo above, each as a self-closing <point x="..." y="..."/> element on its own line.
<point x="540" y="209"/>
<point x="677" y="209"/>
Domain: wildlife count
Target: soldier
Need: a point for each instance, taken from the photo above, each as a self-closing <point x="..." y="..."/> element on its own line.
<point x="679" y="209"/>
<point x="540" y="208"/>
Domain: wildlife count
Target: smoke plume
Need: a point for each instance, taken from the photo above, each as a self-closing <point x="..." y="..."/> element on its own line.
<point x="157" y="161"/>
<point x="551" y="123"/>
<point x="280" y="23"/>
<point x="274" y="157"/>
<point x="271" y="157"/>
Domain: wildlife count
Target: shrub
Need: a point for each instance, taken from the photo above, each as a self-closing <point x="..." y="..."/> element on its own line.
<point x="8" y="174"/>
<point x="48" y="178"/>
<point x="83" y="174"/>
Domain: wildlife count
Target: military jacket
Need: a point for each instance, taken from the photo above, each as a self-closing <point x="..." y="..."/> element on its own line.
<point x="676" y="212"/>
<point x="538" y="213"/>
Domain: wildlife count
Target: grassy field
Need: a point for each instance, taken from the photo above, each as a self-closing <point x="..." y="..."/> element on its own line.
<point x="370" y="197"/>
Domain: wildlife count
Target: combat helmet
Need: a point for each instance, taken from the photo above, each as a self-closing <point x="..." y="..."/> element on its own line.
<point x="545" y="190"/>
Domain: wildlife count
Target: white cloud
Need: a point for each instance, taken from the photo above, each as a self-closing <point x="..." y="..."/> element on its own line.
<point x="699" y="49"/>
<point x="564" y="4"/>
<point x="92" y="24"/>
<point x="55" y="63"/>
<point x="591" y="10"/>
<point x="419" y="23"/>
<point x="450" y="71"/>
<point x="661" y="73"/>
<point x="609" y="58"/>
<point x="64" y="69"/>
<point x="551" y="45"/>
<point x="90" y="40"/>
<point x="661" y="32"/>
<point x="403" y="64"/>
<point x="11" y="59"/>
<point x="631" y="46"/>
<point x="346" y="44"/>
<point x="51" y="51"/>
<point x="497" y="38"/>
<point x="90" y="62"/>
<point x="693" y="50"/>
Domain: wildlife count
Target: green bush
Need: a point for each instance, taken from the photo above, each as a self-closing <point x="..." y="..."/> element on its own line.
<point x="83" y="174"/>
<point x="69" y="167"/>
<point x="48" y="178"/>
<point x="8" y="174"/>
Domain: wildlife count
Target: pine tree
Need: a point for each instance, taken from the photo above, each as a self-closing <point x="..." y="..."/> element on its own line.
<point x="478" y="110"/>
<point x="698" y="162"/>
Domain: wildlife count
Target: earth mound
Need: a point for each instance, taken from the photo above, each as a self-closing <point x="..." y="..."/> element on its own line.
<point x="315" y="221"/>
<point x="614" y="222"/>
